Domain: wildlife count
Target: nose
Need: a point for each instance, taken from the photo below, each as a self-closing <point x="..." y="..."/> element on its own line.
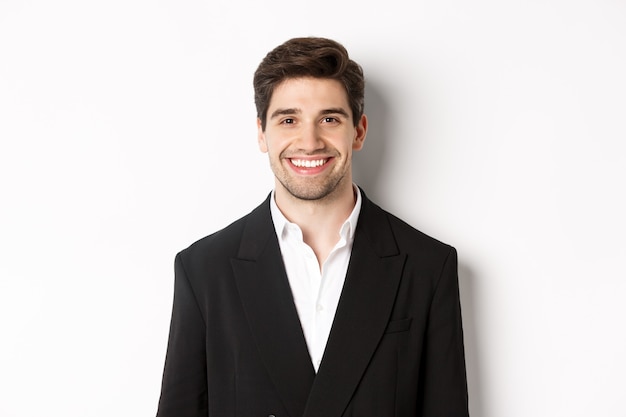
<point x="310" y="139"/>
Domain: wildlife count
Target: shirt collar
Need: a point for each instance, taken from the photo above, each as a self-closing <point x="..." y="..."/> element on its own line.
<point x="346" y="231"/>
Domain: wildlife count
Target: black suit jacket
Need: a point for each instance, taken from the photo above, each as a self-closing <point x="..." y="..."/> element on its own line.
<point x="236" y="347"/>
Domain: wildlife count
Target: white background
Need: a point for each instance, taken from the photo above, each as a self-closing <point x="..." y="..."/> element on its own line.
<point x="128" y="131"/>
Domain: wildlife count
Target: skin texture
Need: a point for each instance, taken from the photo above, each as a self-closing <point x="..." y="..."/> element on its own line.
<point x="309" y="121"/>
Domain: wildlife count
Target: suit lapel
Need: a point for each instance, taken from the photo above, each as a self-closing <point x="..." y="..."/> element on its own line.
<point x="362" y="314"/>
<point x="271" y="313"/>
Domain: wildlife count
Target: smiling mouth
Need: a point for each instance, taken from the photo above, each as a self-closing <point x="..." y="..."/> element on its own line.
<point x="309" y="163"/>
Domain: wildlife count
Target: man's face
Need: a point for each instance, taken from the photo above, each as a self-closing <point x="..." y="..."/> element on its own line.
<point x="310" y="136"/>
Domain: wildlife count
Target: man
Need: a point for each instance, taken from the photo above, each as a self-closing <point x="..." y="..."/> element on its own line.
<point x="318" y="302"/>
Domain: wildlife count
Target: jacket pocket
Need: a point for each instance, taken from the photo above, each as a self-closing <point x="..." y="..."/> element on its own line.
<point x="400" y="325"/>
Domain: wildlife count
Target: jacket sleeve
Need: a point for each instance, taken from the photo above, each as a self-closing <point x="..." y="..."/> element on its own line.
<point x="184" y="386"/>
<point x="444" y="377"/>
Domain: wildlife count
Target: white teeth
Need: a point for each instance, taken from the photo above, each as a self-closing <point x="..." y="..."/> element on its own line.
<point x="306" y="163"/>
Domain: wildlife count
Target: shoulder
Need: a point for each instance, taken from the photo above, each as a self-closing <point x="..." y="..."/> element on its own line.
<point x="406" y="234"/>
<point x="427" y="259"/>
<point x="225" y="243"/>
<point x="408" y="238"/>
<point x="422" y="249"/>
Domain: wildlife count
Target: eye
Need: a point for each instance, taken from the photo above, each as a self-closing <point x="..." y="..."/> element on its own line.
<point x="288" y="121"/>
<point x="330" y="119"/>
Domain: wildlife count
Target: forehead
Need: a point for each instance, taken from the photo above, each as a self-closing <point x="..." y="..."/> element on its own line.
<point x="309" y="92"/>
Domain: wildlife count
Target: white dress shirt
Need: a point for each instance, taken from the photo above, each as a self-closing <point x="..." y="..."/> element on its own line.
<point x="315" y="292"/>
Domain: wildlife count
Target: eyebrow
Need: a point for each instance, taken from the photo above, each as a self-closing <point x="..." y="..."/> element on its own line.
<point x="337" y="110"/>
<point x="283" y="112"/>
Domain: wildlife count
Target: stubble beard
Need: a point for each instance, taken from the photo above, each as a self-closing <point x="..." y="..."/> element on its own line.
<point x="308" y="189"/>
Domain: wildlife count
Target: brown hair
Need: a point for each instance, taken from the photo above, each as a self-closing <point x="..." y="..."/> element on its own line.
<point x="308" y="57"/>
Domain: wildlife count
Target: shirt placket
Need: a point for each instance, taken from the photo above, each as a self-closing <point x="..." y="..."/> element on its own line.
<point x="314" y="279"/>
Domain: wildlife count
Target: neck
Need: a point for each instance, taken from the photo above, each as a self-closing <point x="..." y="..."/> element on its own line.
<point x="334" y="208"/>
<point x="320" y="220"/>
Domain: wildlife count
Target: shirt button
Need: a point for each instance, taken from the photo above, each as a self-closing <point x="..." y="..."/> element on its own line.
<point x="319" y="307"/>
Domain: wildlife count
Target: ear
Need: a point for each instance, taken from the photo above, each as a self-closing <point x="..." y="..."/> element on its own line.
<point x="361" y="132"/>
<point x="261" y="136"/>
